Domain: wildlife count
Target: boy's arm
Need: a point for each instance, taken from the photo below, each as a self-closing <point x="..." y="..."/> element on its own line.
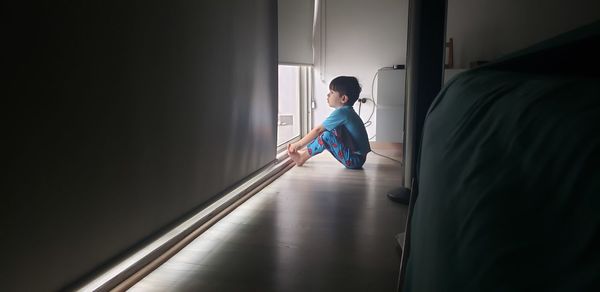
<point x="313" y="134"/>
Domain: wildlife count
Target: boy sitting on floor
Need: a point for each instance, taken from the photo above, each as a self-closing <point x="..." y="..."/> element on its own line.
<point x="343" y="133"/>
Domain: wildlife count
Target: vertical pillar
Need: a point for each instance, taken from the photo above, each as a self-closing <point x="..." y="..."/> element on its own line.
<point x="424" y="71"/>
<point x="424" y="79"/>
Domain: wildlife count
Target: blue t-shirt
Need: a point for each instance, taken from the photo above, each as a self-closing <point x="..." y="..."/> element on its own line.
<point x="347" y="117"/>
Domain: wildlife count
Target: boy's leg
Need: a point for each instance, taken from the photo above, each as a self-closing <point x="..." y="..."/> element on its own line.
<point x="337" y="142"/>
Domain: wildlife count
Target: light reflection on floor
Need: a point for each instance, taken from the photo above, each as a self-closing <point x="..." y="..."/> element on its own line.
<point x="302" y="232"/>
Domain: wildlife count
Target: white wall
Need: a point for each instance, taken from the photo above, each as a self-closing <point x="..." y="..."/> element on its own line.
<point x="360" y="37"/>
<point x="487" y="29"/>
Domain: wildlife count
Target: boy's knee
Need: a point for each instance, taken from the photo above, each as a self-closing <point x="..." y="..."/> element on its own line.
<point x="329" y="137"/>
<point x="326" y="135"/>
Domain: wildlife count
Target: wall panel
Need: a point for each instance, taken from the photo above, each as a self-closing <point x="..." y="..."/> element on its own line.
<point x="122" y="117"/>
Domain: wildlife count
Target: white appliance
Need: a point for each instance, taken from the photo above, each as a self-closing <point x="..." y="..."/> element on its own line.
<point x="390" y="102"/>
<point x="390" y="105"/>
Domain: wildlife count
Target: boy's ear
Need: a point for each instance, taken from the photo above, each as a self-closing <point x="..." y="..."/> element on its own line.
<point x="345" y="98"/>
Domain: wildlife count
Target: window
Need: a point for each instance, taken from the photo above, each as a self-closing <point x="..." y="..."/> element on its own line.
<point x="293" y="112"/>
<point x="288" y="123"/>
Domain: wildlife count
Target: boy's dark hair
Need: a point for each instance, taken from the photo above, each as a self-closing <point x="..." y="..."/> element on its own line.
<point x="346" y="85"/>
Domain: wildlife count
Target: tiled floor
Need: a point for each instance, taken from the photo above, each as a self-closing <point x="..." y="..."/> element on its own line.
<point x="319" y="227"/>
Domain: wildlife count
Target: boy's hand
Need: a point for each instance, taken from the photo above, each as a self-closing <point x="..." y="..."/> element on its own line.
<point x="292" y="148"/>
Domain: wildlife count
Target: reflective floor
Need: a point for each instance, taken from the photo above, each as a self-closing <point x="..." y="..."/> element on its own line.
<point x="319" y="227"/>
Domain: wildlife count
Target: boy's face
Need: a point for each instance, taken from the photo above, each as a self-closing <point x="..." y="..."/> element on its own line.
<point x="335" y="99"/>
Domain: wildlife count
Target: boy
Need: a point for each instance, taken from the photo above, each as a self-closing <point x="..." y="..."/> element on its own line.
<point x="343" y="133"/>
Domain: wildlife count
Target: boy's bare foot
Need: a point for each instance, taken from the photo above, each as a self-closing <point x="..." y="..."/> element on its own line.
<point x="299" y="157"/>
<point x="295" y="156"/>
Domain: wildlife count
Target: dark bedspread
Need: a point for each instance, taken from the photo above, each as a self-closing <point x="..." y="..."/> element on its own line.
<point x="509" y="180"/>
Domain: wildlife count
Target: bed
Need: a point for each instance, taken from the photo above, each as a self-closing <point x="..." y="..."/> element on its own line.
<point x="509" y="175"/>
